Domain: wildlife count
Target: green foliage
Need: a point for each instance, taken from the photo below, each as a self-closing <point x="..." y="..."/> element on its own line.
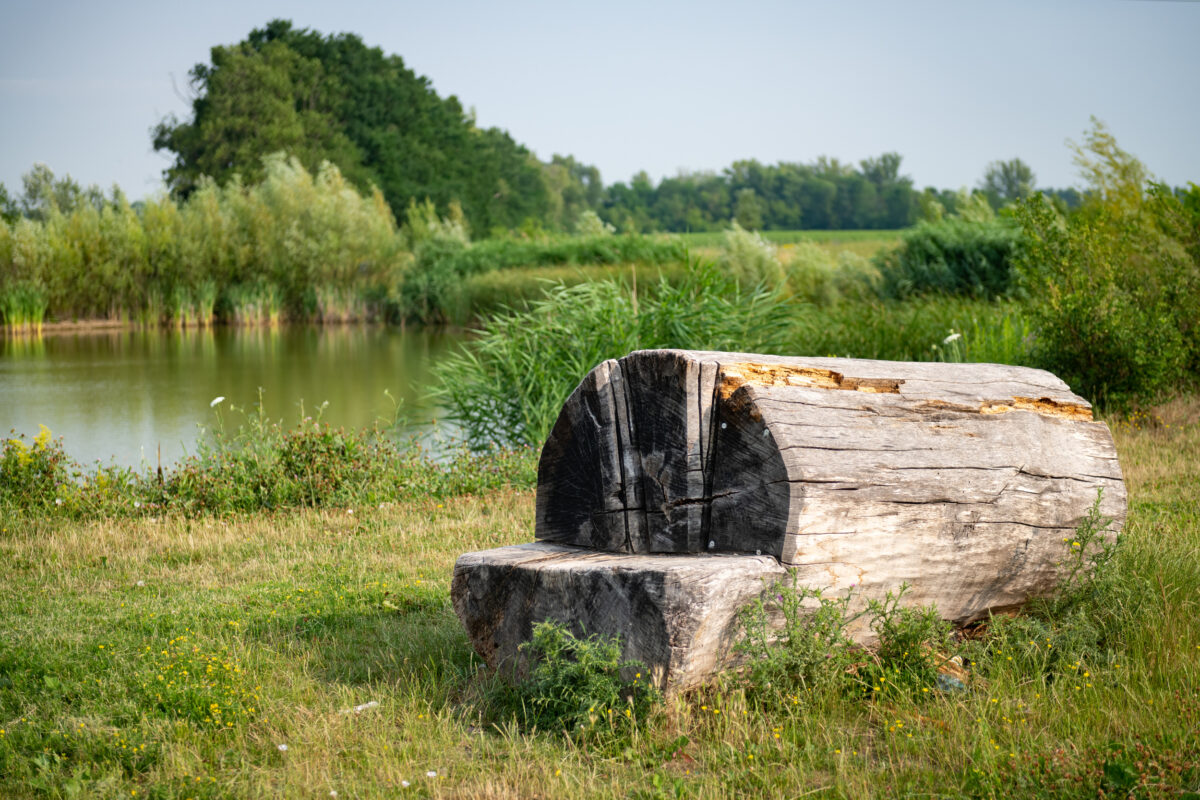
<point x="824" y="279"/>
<point x="264" y="465"/>
<point x="580" y="686"/>
<point x="22" y="306"/>
<point x="435" y="289"/>
<point x="799" y="651"/>
<point x="590" y="224"/>
<point x="334" y="98"/>
<point x="259" y="465"/>
<point x="913" y="643"/>
<point x="1083" y="625"/>
<point x="915" y="330"/>
<point x="749" y="259"/>
<point x="251" y="102"/>
<point x="1115" y="306"/>
<point x="808" y="657"/>
<point x="826" y="194"/>
<point x="306" y="245"/>
<point x="1115" y="287"/>
<point x="1007" y="182"/>
<point x="509" y="384"/>
<point x="953" y="256"/>
<point x="32" y="472"/>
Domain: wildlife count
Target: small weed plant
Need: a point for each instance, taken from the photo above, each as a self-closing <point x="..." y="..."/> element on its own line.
<point x="799" y="649"/>
<point x="1081" y="625"/>
<point x="580" y="685"/>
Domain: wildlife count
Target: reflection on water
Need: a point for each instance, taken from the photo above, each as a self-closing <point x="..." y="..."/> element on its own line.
<point x="120" y="395"/>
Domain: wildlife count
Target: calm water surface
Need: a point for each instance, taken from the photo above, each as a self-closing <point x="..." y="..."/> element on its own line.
<point x="119" y="396"/>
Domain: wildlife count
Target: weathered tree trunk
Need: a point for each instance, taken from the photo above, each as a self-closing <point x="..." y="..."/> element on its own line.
<point x="961" y="480"/>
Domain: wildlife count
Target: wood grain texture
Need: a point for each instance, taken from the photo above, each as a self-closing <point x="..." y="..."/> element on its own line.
<point x="677" y="614"/>
<point x="960" y="479"/>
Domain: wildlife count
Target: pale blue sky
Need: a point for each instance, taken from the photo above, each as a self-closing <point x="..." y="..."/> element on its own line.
<point x="655" y="86"/>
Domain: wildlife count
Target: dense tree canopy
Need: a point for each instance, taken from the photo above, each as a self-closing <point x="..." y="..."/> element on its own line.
<point x="786" y="196"/>
<point x="334" y="98"/>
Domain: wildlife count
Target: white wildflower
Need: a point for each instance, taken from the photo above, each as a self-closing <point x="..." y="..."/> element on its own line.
<point x="953" y="337"/>
<point x="283" y="748"/>
<point x="216" y="401"/>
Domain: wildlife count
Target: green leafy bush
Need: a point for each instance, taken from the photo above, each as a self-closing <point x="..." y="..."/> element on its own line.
<point x="799" y="650"/>
<point x="1110" y="317"/>
<point x="32" y="472"/>
<point x="809" y="656"/>
<point x="913" y="644"/>
<point x="1115" y="287"/>
<point x="823" y="279"/>
<point x="749" y="258"/>
<point x="580" y="685"/>
<point x="953" y="256"/>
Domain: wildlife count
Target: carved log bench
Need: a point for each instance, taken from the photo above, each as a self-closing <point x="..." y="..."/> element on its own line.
<point x="676" y="486"/>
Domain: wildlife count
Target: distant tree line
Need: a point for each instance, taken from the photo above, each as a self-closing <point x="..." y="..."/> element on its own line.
<point x="334" y="99"/>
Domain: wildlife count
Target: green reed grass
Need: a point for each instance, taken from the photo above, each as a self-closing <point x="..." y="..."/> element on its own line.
<point x="186" y="263"/>
<point x="508" y="384"/>
<point x="23" y="307"/>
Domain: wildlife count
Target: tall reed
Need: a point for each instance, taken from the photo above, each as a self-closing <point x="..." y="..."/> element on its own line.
<point x="296" y="244"/>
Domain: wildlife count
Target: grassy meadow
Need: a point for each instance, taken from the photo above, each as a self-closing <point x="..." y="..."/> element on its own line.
<point x="314" y="653"/>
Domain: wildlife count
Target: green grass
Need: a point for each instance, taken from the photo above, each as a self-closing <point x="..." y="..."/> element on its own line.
<point x="304" y="615"/>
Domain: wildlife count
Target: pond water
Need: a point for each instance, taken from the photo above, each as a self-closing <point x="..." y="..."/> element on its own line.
<point x="121" y="395"/>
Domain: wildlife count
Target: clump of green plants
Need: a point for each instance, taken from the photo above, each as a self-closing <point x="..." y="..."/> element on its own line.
<point x="749" y="258"/>
<point x="205" y="685"/>
<point x="579" y="685"/>
<point x="809" y="655"/>
<point x="799" y="651"/>
<point x="975" y="258"/>
<point x="507" y="385"/>
<point x="590" y="224"/>
<point x="264" y="465"/>
<point x="436" y="286"/>
<point x="23" y="306"/>
<point x="258" y="465"/>
<point x="825" y="279"/>
<point x="1082" y="624"/>
<point x="304" y="245"/>
<point x="32" y="472"/>
<point x="1114" y="288"/>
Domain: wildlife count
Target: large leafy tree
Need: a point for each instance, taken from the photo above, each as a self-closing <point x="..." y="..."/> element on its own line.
<point x="1007" y="181"/>
<point x="334" y="98"/>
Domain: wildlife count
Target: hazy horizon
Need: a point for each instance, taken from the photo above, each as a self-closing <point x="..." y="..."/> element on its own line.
<point x="660" y="88"/>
